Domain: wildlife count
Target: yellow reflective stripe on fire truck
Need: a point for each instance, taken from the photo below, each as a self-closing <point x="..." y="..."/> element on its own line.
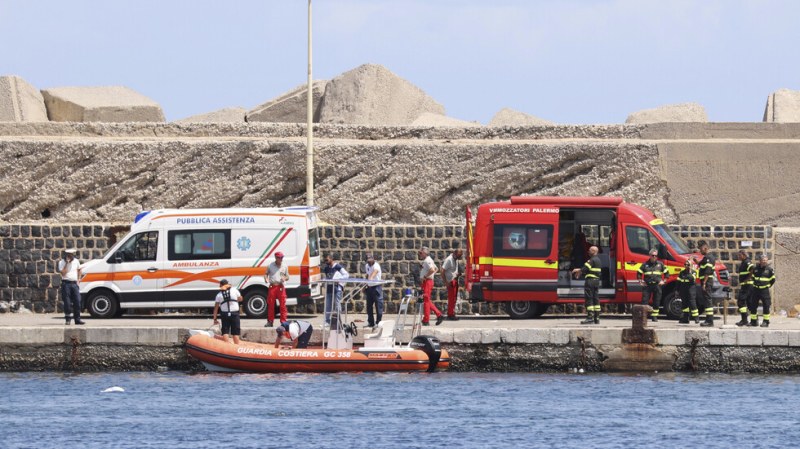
<point x="656" y="221"/>
<point x="523" y="263"/>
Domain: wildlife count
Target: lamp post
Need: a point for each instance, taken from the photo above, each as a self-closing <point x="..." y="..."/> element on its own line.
<point x="309" y="124"/>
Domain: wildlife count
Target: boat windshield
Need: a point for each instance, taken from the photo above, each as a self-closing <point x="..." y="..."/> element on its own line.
<point x="672" y="240"/>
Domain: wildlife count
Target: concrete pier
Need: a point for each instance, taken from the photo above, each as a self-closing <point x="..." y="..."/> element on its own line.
<point x="41" y="342"/>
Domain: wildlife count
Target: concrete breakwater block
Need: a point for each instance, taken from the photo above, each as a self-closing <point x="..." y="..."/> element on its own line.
<point x="225" y="115"/>
<point x="291" y="107"/>
<point x="671" y="113"/>
<point x="783" y="106"/>
<point x="372" y="94"/>
<point x="638" y="357"/>
<point x="510" y="117"/>
<point x="20" y="102"/>
<point x="100" y="104"/>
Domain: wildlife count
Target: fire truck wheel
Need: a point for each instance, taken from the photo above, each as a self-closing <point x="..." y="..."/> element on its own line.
<point x="520" y="310"/>
<point x="672" y="305"/>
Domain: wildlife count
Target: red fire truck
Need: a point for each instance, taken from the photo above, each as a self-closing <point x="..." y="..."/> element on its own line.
<point x="520" y="252"/>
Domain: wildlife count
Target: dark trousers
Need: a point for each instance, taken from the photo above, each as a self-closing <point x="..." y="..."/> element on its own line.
<point x="761" y="294"/>
<point x="706" y="292"/>
<point x="745" y="298"/>
<point x="71" y="296"/>
<point x="302" y="339"/>
<point x="591" y="296"/>
<point x="652" y="291"/>
<point x="688" y="294"/>
<point x="374" y="300"/>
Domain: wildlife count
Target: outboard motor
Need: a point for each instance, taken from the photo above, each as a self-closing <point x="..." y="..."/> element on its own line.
<point x="430" y="346"/>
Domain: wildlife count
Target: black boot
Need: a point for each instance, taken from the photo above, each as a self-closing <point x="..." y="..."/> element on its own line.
<point x="654" y="318"/>
<point x="69" y="321"/>
<point x="709" y="322"/>
<point x="589" y="319"/>
<point x="697" y="320"/>
<point x="765" y="323"/>
<point x="597" y="318"/>
<point x="743" y="321"/>
<point x="754" y="323"/>
<point x="684" y="319"/>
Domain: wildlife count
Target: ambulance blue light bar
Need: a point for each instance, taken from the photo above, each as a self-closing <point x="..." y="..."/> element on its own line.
<point x="140" y="215"/>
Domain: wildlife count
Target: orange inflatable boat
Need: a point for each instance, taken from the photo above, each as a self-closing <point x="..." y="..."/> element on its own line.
<point x="423" y="353"/>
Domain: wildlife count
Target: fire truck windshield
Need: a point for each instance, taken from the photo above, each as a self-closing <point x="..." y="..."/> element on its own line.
<point x="672" y="240"/>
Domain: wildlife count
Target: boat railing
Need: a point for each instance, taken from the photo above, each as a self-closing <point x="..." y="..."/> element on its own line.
<point x="351" y="287"/>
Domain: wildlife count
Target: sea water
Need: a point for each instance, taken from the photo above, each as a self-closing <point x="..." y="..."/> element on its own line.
<point x="363" y="410"/>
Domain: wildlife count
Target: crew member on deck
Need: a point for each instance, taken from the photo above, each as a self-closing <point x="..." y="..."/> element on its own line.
<point x="297" y="331"/>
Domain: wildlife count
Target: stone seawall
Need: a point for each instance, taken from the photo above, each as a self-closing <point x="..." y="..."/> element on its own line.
<point x="29" y="254"/>
<point x="479" y="350"/>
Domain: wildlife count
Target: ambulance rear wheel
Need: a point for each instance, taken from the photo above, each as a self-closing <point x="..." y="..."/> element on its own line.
<point x="255" y="303"/>
<point x="520" y="310"/>
<point x="102" y="304"/>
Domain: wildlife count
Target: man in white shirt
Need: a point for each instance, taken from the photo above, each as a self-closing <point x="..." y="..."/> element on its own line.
<point x="226" y="305"/>
<point x="451" y="272"/>
<point x="374" y="292"/>
<point x="70" y="271"/>
<point x="426" y="271"/>
<point x="277" y="274"/>
<point x="297" y="331"/>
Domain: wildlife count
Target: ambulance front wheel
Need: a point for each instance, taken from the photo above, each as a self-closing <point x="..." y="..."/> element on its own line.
<point x="103" y="304"/>
<point x="255" y="303"/>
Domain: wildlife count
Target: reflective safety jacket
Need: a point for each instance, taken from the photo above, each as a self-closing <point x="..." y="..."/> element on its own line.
<point x="652" y="272"/>
<point x="591" y="269"/>
<point x="706" y="268"/>
<point x="687" y="277"/>
<point x="763" y="277"/>
<point x="746" y="272"/>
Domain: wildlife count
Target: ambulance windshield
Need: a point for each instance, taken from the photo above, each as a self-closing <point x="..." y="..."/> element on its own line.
<point x="672" y="240"/>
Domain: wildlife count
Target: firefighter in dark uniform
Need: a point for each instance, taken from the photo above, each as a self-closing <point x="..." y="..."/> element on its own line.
<point x="745" y="287"/>
<point x="706" y="275"/>
<point x="688" y="292"/>
<point x="651" y="276"/>
<point x="763" y="278"/>
<point x="591" y="272"/>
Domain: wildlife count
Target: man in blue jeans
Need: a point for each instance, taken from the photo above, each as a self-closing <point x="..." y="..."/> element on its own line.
<point x="333" y="293"/>
<point x="70" y="271"/>
<point x="374" y="292"/>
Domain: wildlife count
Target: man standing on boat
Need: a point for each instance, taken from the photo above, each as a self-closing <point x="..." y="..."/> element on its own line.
<point x="374" y="292"/>
<point x="277" y="274"/>
<point x="426" y="271"/>
<point x="297" y="331"/>
<point x="226" y="305"/>
<point x="591" y="272"/>
<point x="333" y="294"/>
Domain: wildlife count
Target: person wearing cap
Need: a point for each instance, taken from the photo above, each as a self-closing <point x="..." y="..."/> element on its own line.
<point x="226" y="305"/>
<point x="687" y="291"/>
<point x="276" y="276"/>
<point x="297" y="331"/>
<point x="70" y="271"/>
<point x="374" y="292"/>
<point x="426" y="271"/>
<point x="451" y="271"/>
<point x="763" y="279"/>
<point x="333" y="292"/>
<point x="651" y="276"/>
<point x="591" y="271"/>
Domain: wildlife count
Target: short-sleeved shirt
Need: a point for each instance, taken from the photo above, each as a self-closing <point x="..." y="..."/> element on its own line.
<point x="450" y="268"/>
<point x="374" y="268"/>
<point x="298" y="327"/>
<point x="72" y="269"/>
<point x="275" y="273"/>
<point x="229" y="306"/>
<point x="425" y="267"/>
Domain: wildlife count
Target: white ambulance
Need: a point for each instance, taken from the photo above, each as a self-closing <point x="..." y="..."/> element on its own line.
<point x="175" y="258"/>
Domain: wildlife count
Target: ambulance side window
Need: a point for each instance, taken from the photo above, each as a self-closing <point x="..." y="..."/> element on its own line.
<point x="140" y="247"/>
<point x="523" y="240"/>
<point x="640" y="240"/>
<point x="199" y="244"/>
<point x="313" y="242"/>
